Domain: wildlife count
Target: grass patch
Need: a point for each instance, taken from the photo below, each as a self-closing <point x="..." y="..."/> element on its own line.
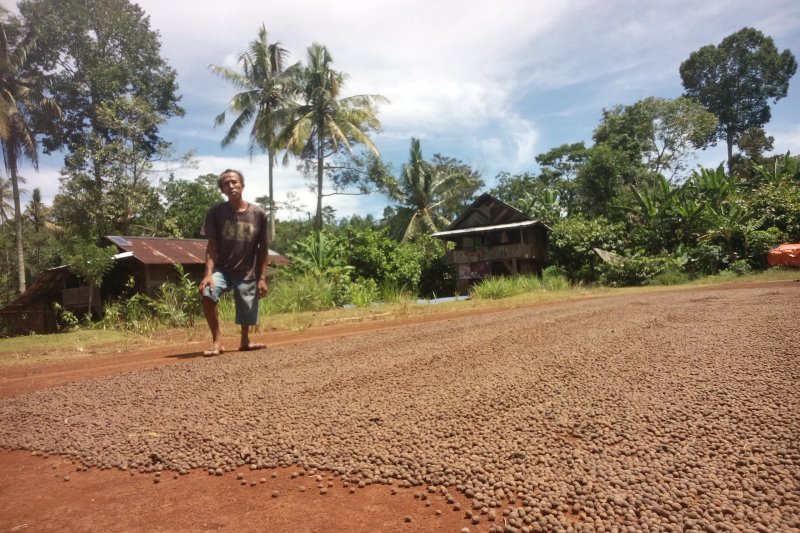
<point x="56" y="347"/>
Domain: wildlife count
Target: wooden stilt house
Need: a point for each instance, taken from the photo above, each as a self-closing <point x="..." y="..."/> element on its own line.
<point x="491" y="238"/>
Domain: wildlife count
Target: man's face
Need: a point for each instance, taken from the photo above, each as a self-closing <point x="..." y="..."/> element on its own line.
<point x="231" y="186"/>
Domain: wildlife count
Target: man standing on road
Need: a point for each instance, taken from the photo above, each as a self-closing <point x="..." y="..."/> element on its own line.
<point x="237" y="257"/>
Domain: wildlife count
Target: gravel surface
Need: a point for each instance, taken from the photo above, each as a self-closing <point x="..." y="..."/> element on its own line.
<point x="662" y="412"/>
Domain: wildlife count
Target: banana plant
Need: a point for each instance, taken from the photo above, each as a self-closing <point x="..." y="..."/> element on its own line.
<point x="782" y="168"/>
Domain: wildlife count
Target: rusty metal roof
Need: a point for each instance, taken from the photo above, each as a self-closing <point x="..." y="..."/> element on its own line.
<point x="156" y="250"/>
<point x="49" y="282"/>
<point x="160" y="250"/>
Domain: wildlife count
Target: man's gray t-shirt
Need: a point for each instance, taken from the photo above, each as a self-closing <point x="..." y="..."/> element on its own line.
<point x="238" y="237"/>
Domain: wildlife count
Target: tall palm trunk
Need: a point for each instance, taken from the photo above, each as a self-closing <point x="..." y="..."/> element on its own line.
<point x="271" y="156"/>
<point x="11" y="159"/>
<point x="320" y="162"/>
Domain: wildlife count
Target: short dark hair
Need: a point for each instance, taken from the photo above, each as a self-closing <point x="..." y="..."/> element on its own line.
<point x="229" y="171"/>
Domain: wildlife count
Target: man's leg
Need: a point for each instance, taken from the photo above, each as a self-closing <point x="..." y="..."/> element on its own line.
<point x="211" y="312"/>
<point x="212" y="319"/>
<point x="246" y="300"/>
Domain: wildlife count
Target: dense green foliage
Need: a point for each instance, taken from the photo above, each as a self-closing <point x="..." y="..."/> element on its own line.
<point x="629" y="196"/>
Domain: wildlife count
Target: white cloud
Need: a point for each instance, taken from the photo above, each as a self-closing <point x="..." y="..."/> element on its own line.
<point x="489" y="83"/>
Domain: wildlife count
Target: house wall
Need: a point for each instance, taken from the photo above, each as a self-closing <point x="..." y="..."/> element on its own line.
<point x="36" y="317"/>
<point x="146" y="278"/>
<point x="515" y="252"/>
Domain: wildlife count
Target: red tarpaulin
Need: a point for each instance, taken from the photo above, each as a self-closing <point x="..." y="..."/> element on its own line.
<point x="784" y="255"/>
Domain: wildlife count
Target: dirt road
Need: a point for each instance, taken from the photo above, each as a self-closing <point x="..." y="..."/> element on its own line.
<point x="662" y="411"/>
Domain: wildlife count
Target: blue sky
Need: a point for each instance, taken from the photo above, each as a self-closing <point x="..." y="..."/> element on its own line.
<point x="490" y="83"/>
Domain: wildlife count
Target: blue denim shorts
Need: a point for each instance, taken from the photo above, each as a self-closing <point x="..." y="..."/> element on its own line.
<point x="245" y="296"/>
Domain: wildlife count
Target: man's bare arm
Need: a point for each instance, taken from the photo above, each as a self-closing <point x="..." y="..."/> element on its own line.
<point x="212" y="254"/>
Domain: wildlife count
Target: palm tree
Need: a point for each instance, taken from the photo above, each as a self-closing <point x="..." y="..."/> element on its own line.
<point x="423" y="188"/>
<point x="36" y="210"/>
<point x="324" y="122"/>
<point x="6" y="201"/>
<point x="266" y="89"/>
<point x="20" y="101"/>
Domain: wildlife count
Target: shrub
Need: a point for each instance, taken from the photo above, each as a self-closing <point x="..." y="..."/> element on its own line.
<point x="671" y="277"/>
<point x="302" y="292"/>
<point x="176" y="304"/>
<point x="391" y="292"/>
<point x="704" y="259"/>
<point x="637" y="270"/>
<point x="553" y="279"/>
<point x="573" y="239"/>
<point x="740" y="267"/>
<point x="760" y="242"/>
<point x="493" y="288"/>
<point x="363" y="293"/>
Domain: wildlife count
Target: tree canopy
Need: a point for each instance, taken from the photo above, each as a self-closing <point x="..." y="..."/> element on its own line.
<point x="736" y="81"/>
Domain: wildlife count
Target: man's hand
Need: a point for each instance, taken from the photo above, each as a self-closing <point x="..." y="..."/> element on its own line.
<point x="262" y="288"/>
<point x="207" y="281"/>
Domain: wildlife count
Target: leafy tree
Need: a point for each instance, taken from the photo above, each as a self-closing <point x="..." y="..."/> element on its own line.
<point x="660" y="131"/>
<point x="622" y="135"/>
<point x="91" y="263"/>
<point x="538" y="196"/>
<point x="780" y="169"/>
<point x="21" y="103"/>
<point x="415" y="267"/>
<point x="683" y="224"/>
<point x="267" y="88"/>
<point x="736" y="81"/>
<point x="464" y="187"/>
<point x="541" y="204"/>
<point x="731" y="224"/>
<point x="370" y="253"/>
<point x="648" y="213"/>
<point x="324" y="121"/>
<point x="186" y="203"/>
<point x="356" y="173"/>
<point x="105" y="187"/>
<point x="98" y="51"/>
<point x="713" y="186"/>
<point x="510" y="188"/>
<point x="601" y="180"/>
<point x="754" y="143"/>
<point x="562" y="162"/>
<point x="319" y="254"/>
<point x="558" y="169"/>
<point x="105" y="71"/>
<point x="322" y="256"/>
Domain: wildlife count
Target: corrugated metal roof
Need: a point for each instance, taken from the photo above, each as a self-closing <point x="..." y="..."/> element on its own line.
<point x="157" y="250"/>
<point x="484" y="229"/>
<point x="161" y="250"/>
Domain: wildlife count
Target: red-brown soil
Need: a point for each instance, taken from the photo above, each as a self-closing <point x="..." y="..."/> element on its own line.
<point x="47" y="493"/>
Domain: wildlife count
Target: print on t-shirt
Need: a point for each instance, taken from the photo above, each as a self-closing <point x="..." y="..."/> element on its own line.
<point x="237" y="231"/>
